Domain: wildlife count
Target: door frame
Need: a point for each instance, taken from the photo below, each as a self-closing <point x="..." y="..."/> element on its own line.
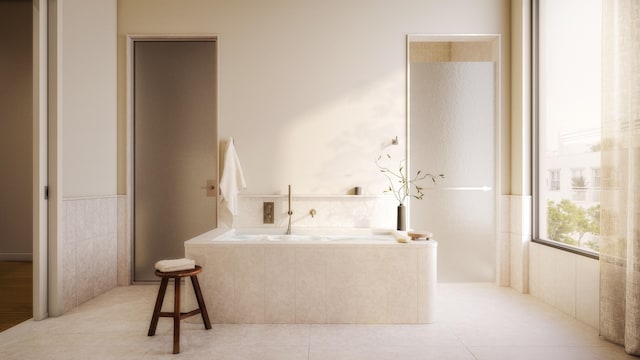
<point x="131" y="39"/>
<point x="47" y="170"/>
<point x="502" y="259"/>
<point x="46" y="162"/>
<point x="40" y="212"/>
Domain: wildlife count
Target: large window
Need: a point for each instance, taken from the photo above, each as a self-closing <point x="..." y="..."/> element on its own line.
<point x="568" y="122"/>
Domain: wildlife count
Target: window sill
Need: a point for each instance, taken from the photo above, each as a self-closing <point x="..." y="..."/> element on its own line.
<point x="569" y="248"/>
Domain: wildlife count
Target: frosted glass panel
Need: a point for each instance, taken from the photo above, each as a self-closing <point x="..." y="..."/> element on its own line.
<point x="175" y="148"/>
<point x="452" y="132"/>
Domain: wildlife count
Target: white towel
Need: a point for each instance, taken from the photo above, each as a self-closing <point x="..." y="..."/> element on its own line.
<point x="232" y="179"/>
<point x="175" y="265"/>
<point x="400" y="237"/>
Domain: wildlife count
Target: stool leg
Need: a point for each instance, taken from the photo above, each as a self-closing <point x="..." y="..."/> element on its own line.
<point x="201" y="305"/>
<point x="158" y="307"/>
<point x="176" y="318"/>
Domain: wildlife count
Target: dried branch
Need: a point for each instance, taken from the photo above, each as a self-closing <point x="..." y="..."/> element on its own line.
<point x="400" y="185"/>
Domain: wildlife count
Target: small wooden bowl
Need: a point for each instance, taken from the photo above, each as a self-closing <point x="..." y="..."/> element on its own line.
<point x="419" y="235"/>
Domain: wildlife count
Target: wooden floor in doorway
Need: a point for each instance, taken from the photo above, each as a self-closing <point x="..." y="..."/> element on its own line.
<point x="16" y="287"/>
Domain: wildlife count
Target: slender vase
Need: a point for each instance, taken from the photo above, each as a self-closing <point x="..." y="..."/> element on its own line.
<point x="401" y="218"/>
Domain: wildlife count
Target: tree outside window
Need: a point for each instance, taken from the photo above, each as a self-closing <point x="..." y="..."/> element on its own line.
<point x="572" y="224"/>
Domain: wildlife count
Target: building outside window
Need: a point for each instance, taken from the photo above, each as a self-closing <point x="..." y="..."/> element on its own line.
<point x="595" y="184"/>
<point x="578" y="184"/>
<point x="554" y="179"/>
<point x="595" y="177"/>
<point x="568" y="122"/>
<point x="577" y="177"/>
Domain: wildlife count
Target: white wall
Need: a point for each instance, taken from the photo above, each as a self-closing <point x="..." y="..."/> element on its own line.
<point x="15" y="130"/>
<point x="83" y="120"/>
<point x="311" y="91"/>
<point x="87" y="96"/>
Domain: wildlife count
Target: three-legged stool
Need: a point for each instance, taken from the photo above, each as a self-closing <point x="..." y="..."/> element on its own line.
<point x="176" y="314"/>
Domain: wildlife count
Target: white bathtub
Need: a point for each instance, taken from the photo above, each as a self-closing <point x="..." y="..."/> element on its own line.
<point x="315" y="276"/>
<point x="307" y="236"/>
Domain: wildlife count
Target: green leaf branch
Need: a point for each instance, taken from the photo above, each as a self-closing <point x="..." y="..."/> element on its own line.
<point x="403" y="186"/>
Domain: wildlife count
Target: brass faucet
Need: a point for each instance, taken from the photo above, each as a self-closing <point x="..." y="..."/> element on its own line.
<point x="289" y="213"/>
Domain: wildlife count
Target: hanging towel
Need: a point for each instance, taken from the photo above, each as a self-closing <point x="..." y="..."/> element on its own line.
<point x="232" y="180"/>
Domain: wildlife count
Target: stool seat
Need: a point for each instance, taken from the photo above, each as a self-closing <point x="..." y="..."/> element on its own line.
<point x="180" y="273"/>
<point x="176" y="314"/>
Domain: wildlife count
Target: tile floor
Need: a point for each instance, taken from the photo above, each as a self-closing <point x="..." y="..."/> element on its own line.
<point x="475" y="322"/>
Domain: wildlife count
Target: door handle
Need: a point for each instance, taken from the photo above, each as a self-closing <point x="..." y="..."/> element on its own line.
<point x="211" y="188"/>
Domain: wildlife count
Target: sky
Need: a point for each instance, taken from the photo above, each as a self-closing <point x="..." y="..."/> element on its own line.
<point x="570" y="67"/>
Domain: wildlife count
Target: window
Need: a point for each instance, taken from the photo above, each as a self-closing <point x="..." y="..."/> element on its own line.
<point x="578" y="175"/>
<point x="567" y="109"/>
<point x="577" y="178"/>
<point x="595" y="178"/>
<point x="578" y="184"/>
<point x="554" y="179"/>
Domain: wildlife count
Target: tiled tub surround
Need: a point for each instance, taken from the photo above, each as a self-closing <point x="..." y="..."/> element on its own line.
<point x="318" y="282"/>
<point x="335" y="211"/>
<point x="90" y="247"/>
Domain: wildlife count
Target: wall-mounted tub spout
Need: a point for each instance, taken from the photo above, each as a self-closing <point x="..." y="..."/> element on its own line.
<point x="289" y="213"/>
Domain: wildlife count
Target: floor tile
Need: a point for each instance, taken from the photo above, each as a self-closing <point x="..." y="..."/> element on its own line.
<point x="550" y="353"/>
<point x="382" y="352"/>
<point x="474" y="322"/>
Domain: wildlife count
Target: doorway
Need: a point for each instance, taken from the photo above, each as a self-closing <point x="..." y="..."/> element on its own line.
<point x="453" y="115"/>
<point x="175" y="146"/>
<point x="16" y="157"/>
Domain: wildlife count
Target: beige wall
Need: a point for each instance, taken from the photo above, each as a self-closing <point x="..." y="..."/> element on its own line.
<point x="86" y="96"/>
<point x="82" y="127"/>
<point x="521" y="97"/>
<point x="15" y="130"/>
<point x="313" y="91"/>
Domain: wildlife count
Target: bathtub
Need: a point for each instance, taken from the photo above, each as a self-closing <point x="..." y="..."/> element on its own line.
<point x="306" y="236"/>
<point x="337" y="276"/>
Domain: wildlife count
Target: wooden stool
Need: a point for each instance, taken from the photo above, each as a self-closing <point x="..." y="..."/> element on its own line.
<point x="176" y="314"/>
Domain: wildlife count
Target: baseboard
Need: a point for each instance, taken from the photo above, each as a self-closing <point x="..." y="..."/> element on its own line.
<point x="16" y="257"/>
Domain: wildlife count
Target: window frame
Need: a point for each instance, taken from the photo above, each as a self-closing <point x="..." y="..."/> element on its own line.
<point x="535" y="137"/>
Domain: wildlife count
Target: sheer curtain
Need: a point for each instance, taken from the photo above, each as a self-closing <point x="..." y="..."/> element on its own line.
<point x="620" y="186"/>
